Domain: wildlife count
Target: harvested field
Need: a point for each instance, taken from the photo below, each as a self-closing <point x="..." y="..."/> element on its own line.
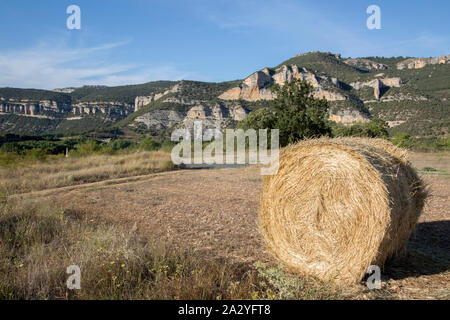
<point x="215" y="212"/>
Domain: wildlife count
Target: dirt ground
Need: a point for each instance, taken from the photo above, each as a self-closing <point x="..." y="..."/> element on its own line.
<point x="215" y="211"/>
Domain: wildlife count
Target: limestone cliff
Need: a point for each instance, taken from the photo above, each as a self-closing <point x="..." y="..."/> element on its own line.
<point x="418" y="63"/>
<point x="365" y="64"/>
<point x="378" y="84"/>
<point x="141" y="101"/>
<point x="53" y="109"/>
<point x="258" y="85"/>
<point x="348" y="117"/>
<point x="107" y="107"/>
<point x="213" y="116"/>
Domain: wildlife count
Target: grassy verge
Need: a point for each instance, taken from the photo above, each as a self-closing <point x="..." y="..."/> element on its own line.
<point x="54" y="172"/>
<point x="38" y="243"/>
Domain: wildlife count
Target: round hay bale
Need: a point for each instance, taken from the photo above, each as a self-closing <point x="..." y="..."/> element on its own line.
<point x="337" y="206"/>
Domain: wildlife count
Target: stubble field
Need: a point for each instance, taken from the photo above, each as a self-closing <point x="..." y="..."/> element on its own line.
<point x="212" y="214"/>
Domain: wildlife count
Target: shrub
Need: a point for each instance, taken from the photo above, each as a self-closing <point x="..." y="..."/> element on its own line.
<point x="376" y="128"/>
<point x="442" y="144"/>
<point x="148" y="144"/>
<point x="117" y="145"/>
<point x="87" y="147"/>
<point x="36" y="155"/>
<point x="8" y="158"/>
<point x="402" y="140"/>
<point x="167" y="145"/>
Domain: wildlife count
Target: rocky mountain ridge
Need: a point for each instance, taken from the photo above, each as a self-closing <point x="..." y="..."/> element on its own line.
<point x="398" y="90"/>
<point x="257" y="86"/>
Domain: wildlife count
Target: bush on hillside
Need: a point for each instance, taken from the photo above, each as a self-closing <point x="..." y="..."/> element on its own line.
<point x="377" y="128"/>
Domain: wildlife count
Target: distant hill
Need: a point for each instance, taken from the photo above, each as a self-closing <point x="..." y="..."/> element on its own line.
<point x="125" y="94"/>
<point x="33" y="95"/>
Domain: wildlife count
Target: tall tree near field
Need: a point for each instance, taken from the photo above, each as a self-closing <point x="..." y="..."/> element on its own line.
<point x="298" y="115"/>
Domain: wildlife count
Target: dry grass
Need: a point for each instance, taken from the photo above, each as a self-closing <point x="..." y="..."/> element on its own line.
<point x="61" y="172"/>
<point x="38" y="243"/>
<point x="337" y="206"/>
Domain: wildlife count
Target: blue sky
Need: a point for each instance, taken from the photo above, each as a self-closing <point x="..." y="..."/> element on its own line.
<point x="136" y="41"/>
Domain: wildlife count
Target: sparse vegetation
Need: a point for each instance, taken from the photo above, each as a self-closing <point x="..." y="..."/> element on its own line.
<point x="37" y="163"/>
<point x="281" y="285"/>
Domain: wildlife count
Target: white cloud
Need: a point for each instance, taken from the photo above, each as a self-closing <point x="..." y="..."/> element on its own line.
<point x="55" y="66"/>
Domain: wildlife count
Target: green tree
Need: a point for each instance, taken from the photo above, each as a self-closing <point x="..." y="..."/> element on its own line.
<point x="259" y="119"/>
<point x="377" y="128"/>
<point x="298" y="115"/>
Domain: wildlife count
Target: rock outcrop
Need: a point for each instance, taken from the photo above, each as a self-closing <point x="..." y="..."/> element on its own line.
<point x="180" y="100"/>
<point x="348" y="117"/>
<point x="157" y="120"/>
<point x="141" y="101"/>
<point x="65" y="90"/>
<point x="258" y="85"/>
<point x="365" y="64"/>
<point x="253" y="88"/>
<point x="212" y="116"/>
<point x="108" y="108"/>
<point x="378" y="84"/>
<point x="418" y="63"/>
